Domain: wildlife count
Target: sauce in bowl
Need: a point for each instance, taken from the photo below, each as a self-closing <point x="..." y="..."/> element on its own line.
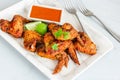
<point x="45" y="13"/>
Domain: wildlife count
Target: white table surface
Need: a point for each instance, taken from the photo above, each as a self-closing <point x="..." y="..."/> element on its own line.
<point x="13" y="66"/>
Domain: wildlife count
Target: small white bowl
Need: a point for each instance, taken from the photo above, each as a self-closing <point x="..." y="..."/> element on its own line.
<point x="43" y="19"/>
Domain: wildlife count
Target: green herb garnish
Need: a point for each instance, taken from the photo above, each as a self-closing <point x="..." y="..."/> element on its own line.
<point x="58" y="33"/>
<point x="66" y="35"/>
<point x="55" y="46"/>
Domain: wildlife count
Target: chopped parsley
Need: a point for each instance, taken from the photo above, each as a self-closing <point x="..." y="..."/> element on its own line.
<point x="55" y="46"/>
<point x="66" y="35"/>
<point x="59" y="33"/>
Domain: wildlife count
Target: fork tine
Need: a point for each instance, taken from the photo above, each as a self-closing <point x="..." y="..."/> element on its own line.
<point x="65" y="4"/>
<point x="81" y="7"/>
<point x="73" y="2"/>
<point x="69" y="4"/>
<point x="67" y="7"/>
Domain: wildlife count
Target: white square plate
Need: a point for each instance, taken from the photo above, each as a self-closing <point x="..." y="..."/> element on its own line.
<point x="43" y="64"/>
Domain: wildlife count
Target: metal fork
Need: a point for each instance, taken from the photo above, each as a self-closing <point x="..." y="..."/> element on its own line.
<point x="87" y="12"/>
<point x="68" y="5"/>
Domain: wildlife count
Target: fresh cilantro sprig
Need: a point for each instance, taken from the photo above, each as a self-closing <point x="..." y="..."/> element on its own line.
<point x="55" y="46"/>
<point x="66" y="35"/>
<point x="60" y="32"/>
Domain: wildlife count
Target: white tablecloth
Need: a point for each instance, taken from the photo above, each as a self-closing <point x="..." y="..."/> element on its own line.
<point x="13" y="66"/>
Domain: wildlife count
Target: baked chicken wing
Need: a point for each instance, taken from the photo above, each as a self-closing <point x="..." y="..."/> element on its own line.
<point x="84" y="44"/>
<point x="14" y="27"/>
<point x="5" y="25"/>
<point x="31" y="39"/>
<point x="53" y="49"/>
<point x="64" y="32"/>
<point x="72" y="52"/>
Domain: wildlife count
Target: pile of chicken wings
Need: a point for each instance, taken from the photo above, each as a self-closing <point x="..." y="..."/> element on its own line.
<point x="58" y="43"/>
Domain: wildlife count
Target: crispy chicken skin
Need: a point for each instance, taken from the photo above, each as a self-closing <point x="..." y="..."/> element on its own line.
<point x="14" y="27"/>
<point x="65" y="28"/>
<point x="17" y="26"/>
<point x="59" y="54"/>
<point x="72" y="52"/>
<point x="50" y="41"/>
<point x="5" y="25"/>
<point x="31" y="39"/>
<point x="69" y="28"/>
<point x="61" y="57"/>
<point x="89" y="47"/>
<point x="62" y="60"/>
<point x="41" y="52"/>
<point x="62" y="45"/>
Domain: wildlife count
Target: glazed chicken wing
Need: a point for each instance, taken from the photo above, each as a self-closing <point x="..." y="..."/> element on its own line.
<point x="14" y="27"/>
<point x="85" y="44"/>
<point x="5" y="25"/>
<point x="17" y="26"/>
<point x="54" y="50"/>
<point x="61" y="57"/>
<point x="31" y="39"/>
<point x="72" y="52"/>
<point x="62" y="60"/>
<point x="54" y="46"/>
<point x="64" y="32"/>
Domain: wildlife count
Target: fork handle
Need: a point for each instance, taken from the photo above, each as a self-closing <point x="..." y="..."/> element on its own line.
<point x="79" y="22"/>
<point x="116" y="36"/>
